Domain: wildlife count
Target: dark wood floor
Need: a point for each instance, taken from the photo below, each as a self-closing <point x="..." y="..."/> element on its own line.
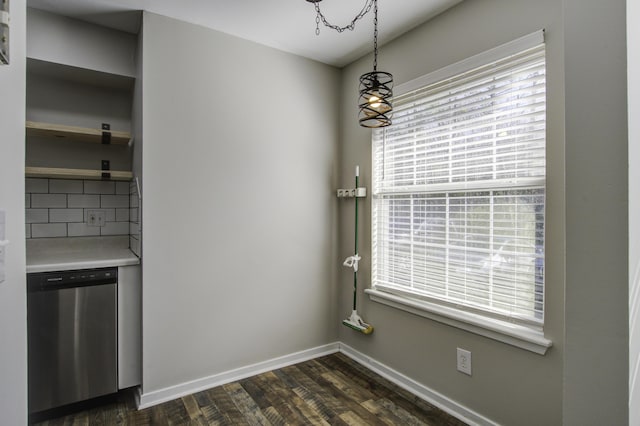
<point x="331" y="390"/>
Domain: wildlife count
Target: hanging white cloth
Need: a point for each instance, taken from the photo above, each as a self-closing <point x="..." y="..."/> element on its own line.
<point x="352" y="262"/>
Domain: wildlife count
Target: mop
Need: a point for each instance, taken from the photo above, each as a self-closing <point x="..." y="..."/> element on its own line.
<point x="354" y="321"/>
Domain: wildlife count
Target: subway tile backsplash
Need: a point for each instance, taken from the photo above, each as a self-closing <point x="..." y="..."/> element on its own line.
<point x="122" y="215"/>
<point x="66" y="215"/>
<point x="37" y="216"/>
<point x="59" y="207"/>
<point x="48" y="200"/>
<point x="99" y="187"/>
<point x="121" y="201"/>
<point x="66" y="186"/>
<point x="82" y="230"/>
<point x="48" y="230"/>
<point x="82" y="200"/>
<point x="37" y="186"/>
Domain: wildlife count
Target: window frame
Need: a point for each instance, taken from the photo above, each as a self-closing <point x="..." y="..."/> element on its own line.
<point x="529" y="336"/>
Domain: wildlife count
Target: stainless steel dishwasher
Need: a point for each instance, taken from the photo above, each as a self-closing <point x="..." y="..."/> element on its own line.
<point x="72" y="336"/>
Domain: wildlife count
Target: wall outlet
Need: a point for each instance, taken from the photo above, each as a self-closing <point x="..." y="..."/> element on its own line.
<point x="96" y="218"/>
<point x="464" y="361"/>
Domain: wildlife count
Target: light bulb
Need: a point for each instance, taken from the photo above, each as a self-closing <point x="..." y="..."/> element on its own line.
<point x="374" y="101"/>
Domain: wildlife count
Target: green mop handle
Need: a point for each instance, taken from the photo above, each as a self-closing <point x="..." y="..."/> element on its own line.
<point x="355" y="244"/>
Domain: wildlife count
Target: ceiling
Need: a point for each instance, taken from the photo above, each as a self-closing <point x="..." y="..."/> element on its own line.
<point x="287" y="25"/>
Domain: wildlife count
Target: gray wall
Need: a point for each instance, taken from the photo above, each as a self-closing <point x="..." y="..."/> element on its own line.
<point x="244" y="138"/>
<point x="633" y="79"/>
<point x="60" y="100"/>
<point x="55" y="38"/>
<point x="510" y="385"/>
<point x="252" y="274"/>
<point x="13" y="309"/>
<point x="63" y="100"/>
<point x="78" y="74"/>
<point x="596" y="367"/>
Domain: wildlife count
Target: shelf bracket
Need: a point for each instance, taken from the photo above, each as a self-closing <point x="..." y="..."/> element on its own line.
<point x="105" y="170"/>
<point x="106" y="133"/>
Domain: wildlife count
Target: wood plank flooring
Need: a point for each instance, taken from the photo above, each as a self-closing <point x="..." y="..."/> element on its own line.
<point x="331" y="390"/>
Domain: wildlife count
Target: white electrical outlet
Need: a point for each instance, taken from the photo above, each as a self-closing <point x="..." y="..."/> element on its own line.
<point x="464" y="361"/>
<point x="96" y="217"/>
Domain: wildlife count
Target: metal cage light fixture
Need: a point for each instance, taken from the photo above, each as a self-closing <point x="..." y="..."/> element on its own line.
<point x="376" y="87"/>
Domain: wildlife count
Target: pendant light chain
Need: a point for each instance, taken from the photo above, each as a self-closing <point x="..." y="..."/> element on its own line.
<point x="376" y="87"/>
<point x="375" y="35"/>
<point x="320" y="17"/>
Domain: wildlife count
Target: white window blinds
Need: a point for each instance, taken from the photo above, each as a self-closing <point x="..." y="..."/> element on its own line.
<point x="459" y="190"/>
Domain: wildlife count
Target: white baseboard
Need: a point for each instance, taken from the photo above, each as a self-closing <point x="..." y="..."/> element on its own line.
<point x="167" y="394"/>
<point x="146" y="400"/>
<point x="434" y="398"/>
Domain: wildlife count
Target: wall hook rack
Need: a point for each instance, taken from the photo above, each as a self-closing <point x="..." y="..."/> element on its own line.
<point x="360" y="192"/>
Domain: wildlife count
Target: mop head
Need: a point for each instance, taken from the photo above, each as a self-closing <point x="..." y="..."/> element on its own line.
<point x="356" y="323"/>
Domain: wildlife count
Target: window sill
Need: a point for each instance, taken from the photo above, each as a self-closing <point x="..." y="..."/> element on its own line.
<point x="502" y="331"/>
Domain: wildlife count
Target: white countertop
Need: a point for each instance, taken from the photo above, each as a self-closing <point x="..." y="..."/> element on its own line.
<point x="60" y="254"/>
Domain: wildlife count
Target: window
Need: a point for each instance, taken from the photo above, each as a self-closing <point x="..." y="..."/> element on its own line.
<point x="459" y="188"/>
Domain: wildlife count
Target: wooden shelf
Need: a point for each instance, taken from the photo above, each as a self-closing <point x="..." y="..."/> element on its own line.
<point x="81" y="134"/>
<point x="58" y="173"/>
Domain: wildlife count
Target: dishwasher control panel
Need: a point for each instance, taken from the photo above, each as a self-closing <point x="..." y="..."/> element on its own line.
<point x="82" y="277"/>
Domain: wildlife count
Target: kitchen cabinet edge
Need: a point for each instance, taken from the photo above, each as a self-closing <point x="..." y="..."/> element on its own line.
<point x="129" y="326"/>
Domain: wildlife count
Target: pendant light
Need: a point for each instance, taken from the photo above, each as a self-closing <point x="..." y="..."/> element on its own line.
<point x="376" y="87"/>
